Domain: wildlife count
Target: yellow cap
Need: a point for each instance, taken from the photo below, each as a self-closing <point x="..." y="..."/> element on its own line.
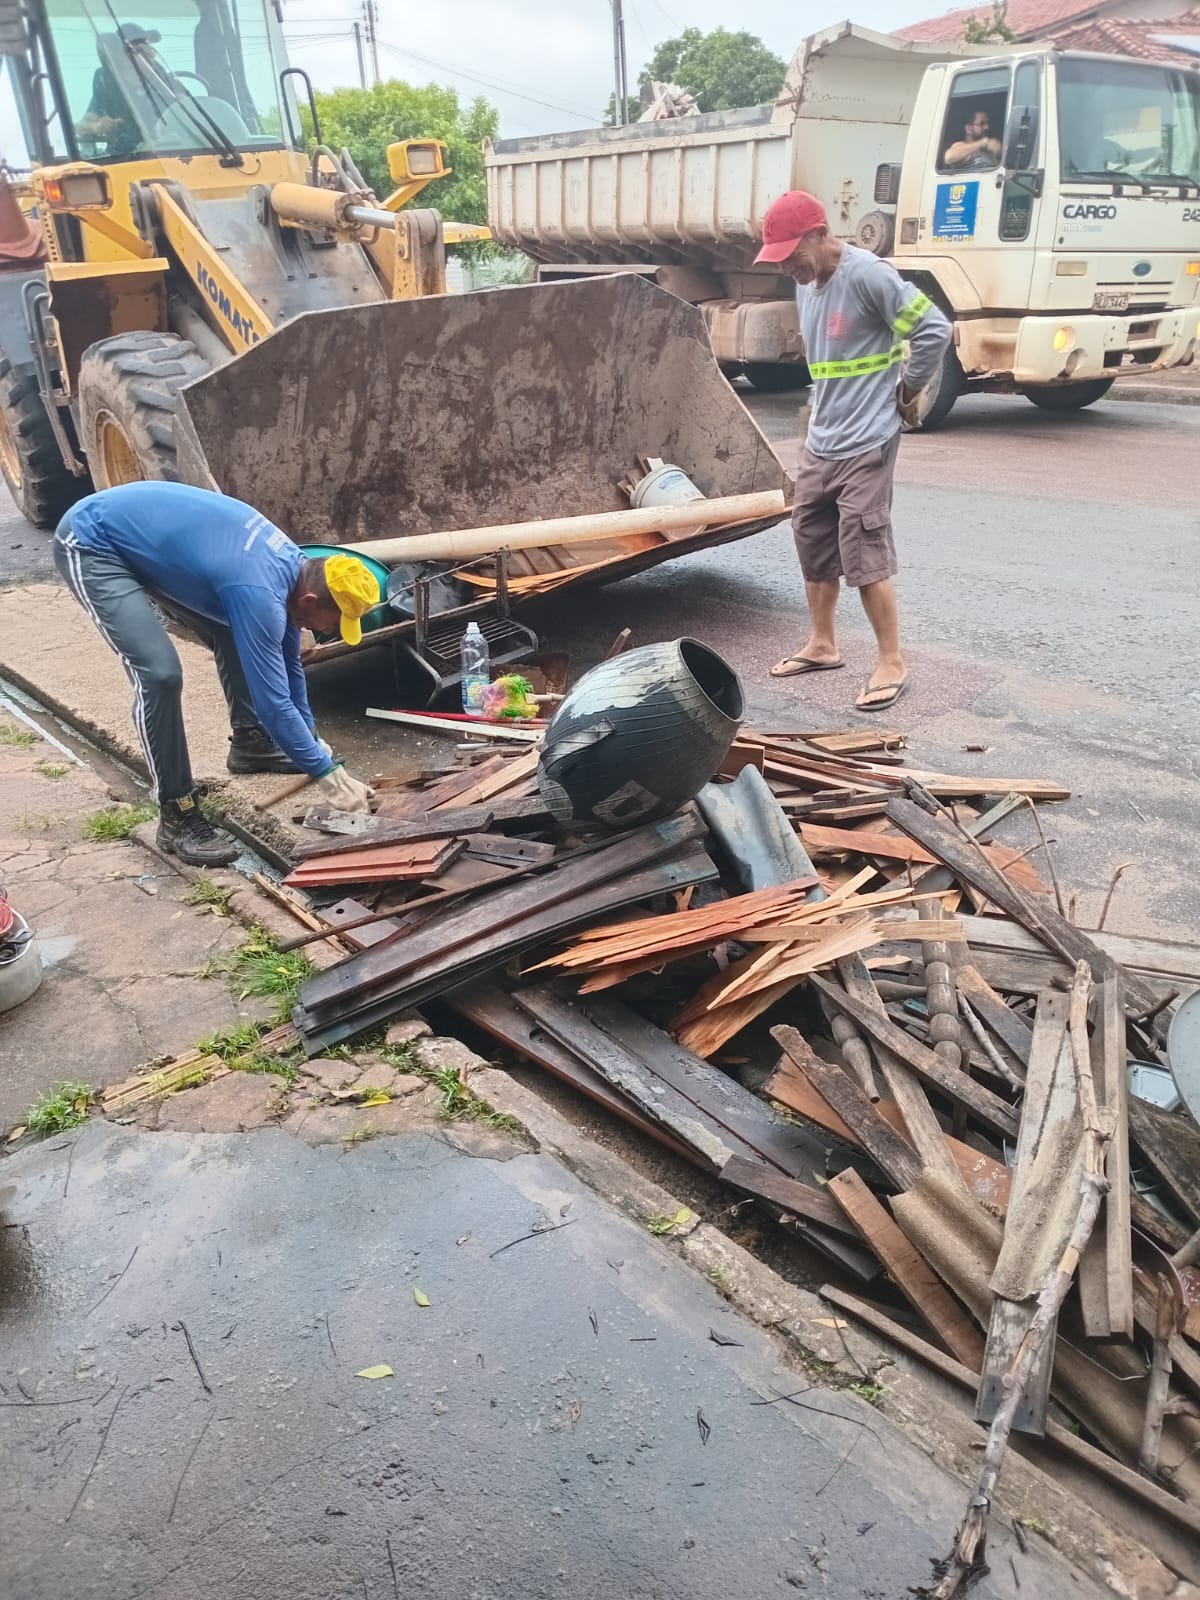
<point x="356" y="591"/>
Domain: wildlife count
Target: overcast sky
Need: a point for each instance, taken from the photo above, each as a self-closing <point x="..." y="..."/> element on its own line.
<point x="545" y="64"/>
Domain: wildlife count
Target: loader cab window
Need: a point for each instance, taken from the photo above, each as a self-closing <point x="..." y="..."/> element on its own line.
<point x="975" y="116"/>
<point x="168" y="77"/>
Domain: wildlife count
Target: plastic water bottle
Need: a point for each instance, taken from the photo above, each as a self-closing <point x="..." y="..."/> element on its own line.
<point x="476" y="669"/>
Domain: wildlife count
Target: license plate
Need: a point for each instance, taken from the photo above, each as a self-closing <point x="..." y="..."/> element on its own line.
<point x="1111" y="300"/>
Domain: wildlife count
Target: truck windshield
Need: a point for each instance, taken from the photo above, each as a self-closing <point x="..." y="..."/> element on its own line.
<point x="185" y="77"/>
<point x="1120" y="120"/>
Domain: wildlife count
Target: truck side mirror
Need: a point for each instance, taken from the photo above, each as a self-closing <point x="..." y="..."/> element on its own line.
<point x="1022" y="138"/>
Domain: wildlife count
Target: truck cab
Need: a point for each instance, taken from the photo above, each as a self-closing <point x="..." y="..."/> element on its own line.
<point x="1054" y="201"/>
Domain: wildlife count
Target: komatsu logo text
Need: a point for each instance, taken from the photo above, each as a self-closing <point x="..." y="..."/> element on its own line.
<point x="242" y="326"/>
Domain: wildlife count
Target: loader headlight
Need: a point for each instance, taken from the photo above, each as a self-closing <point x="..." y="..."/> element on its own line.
<point x="416" y="158"/>
<point x="79" y="191"/>
<point x="1064" y="338"/>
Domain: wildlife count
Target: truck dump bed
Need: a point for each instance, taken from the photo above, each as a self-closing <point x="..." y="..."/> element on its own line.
<point x="508" y="405"/>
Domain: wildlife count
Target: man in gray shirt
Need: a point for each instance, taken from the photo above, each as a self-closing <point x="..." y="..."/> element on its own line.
<point x="856" y="313"/>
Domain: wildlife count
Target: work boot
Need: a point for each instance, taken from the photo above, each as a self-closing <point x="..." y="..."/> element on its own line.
<point x="184" y="831"/>
<point x="253" y="750"/>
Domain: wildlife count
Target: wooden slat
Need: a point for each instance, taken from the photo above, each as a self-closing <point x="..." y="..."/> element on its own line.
<point x="389" y="833"/>
<point x="897" y="847"/>
<point x="891" y="1153"/>
<point x="1170" y="1144"/>
<point x="801" y="1199"/>
<point x="1012" y="1030"/>
<point x="985" y="1106"/>
<point x="1040" y="918"/>
<point x="1164" y="958"/>
<point x="908" y="1269"/>
<point x="988" y="1180"/>
<point x="1106" y="1269"/>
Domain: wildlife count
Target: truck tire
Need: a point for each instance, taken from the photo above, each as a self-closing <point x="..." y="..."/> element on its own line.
<point x="1067" y="396"/>
<point x="128" y="390"/>
<point x="940" y="394"/>
<point x="776" y="377"/>
<point x="39" y="480"/>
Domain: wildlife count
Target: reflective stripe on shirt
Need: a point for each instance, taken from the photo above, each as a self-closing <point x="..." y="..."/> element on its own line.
<point x="911" y="315"/>
<point x="860" y="367"/>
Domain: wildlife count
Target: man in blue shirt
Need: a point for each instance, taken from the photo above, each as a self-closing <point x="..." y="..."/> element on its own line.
<point x="241" y="584"/>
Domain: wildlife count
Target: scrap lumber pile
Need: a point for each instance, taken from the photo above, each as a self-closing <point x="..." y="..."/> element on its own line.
<point x="949" y="1120"/>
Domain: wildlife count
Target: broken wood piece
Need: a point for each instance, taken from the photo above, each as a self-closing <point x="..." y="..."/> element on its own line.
<point x="986" y="1107"/>
<point x="944" y="1031"/>
<point x="1159" y="1387"/>
<point x="1170" y="1146"/>
<point x="801" y="1199"/>
<point x="1106" y="1273"/>
<point x="1012" y="1031"/>
<point x="891" y="1153"/>
<point x="898" y="847"/>
<point x="908" y="1269"/>
<point x="386" y="833"/>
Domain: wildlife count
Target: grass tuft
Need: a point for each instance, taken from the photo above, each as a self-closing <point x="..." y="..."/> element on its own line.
<point x="16" y="738"/>
<point x="54" y="770"/>
<point x="238" y="1047"/>
<point x="204" y="892"/>
<point x="60" y="1108"/>
<point x="116" y="822"/>
<point x="258" y="968"/>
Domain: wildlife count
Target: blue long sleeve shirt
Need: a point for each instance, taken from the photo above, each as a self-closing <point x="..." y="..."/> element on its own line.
<point x="221" y="558"/>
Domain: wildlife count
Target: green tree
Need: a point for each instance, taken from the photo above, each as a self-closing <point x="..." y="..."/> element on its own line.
<point x="366" y="121"/>
<point x="992" y="29"/>
<point x="721" y="69"/>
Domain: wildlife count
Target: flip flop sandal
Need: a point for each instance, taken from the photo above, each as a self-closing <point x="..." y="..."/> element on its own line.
<point x="892" y="690"/>
<point x="797" y="666"/>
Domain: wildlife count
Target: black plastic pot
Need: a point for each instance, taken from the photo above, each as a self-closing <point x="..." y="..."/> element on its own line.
<point x="640" y="735"/>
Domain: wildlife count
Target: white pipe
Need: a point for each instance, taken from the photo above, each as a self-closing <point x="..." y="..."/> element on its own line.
<point x="467" y="542"/>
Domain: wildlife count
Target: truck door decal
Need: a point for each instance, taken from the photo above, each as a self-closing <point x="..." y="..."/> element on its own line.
<point x="954" y="209"/>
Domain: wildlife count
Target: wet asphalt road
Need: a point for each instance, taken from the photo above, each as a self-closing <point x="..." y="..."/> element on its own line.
<point x="559" y="1424"/>
<point x="1050" y="606"/>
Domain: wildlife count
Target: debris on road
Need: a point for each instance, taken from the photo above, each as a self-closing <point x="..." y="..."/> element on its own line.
<point x="952" y="1052"/>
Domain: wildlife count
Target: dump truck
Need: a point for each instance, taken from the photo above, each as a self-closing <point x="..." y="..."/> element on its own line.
<point x="1064" y="246"/>
<point x="207" y="292"/>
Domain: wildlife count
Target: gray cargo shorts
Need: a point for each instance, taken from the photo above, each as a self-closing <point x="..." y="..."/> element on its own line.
<point x="842" y="516"/>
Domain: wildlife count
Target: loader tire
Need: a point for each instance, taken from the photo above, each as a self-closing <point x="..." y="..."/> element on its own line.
<point x="128" y="392"/>
<point x="39" y="480"/>
<point x="777" y="377"/>
<point x="1068" y="396"/>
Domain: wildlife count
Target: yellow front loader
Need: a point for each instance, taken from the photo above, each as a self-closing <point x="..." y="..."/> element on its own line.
<point x="182" y="221"/>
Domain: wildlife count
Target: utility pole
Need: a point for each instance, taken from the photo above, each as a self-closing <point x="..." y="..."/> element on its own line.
<point x="620" y="67"/>
<point x="371" y="14"/>
<point x="358" y="50"/>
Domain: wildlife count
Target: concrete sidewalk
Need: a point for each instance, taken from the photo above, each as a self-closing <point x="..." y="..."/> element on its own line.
<point x="578" y="1414"/>
<point x="1179" y="387"/>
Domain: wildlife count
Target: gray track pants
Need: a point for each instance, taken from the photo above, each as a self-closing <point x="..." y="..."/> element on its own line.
<point x="124" y="611"/>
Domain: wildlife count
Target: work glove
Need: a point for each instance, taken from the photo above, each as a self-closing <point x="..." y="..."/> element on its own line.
<point x="345" y="793"/>
<point x="909" y="404"/>
<point x="325" y="749"/>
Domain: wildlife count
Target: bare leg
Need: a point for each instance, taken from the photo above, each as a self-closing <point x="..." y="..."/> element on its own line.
<point x="879" y="602"/>
<point x="821" y="644"/>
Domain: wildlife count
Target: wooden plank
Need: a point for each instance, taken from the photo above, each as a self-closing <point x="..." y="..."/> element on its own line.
<point x="920" y="1123"/>
<point x="1106" y="1268"/>
<point x="988" y="1180"/>
<point x="986" y="1107"/>
<point x="360" y="938"/>
<point x="1040" y="918"/>
<point x="908" y="1269"/>
<point x="388" y="833"/>
<point x="891" y="1153"/>
<point x="492" y="914"/>
<point x="1169" y="1143"/>
<point x="1041" y="1214"/>
<point x="897" y="847"/>
<point x="508" y="852"/>
<point x="801" y="1199"/>
<point x="491" y="1009"/>
<point x="1162" y="957"/>
<point x="1012" y="1030"/>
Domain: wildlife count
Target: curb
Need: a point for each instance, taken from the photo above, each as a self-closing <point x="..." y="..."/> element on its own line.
<point x="1152" y="394"/>
<point x="840" y="1354"/>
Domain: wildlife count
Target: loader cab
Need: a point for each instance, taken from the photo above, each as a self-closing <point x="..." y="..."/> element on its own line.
<point x="134" y="80"/>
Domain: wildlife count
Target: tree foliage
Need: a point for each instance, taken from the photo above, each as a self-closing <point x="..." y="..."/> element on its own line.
<point x="366" y="121"/>
<point x="992" y="29"/>
<point x="722" y="69"/>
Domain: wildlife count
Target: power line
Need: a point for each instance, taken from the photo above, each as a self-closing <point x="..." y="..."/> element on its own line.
<point x="498" y="85"/>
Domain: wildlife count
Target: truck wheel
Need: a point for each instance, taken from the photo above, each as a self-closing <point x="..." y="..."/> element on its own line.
<point x="1067" y="396"/>
<point x="775" y="377"/>
<point x="38" y="478"/>
<point x="939" y="395"/>
<point x="128" y="387"/>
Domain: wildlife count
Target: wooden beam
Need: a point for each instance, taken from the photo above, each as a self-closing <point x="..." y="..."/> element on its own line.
<point x="801" y="1199"/>
<point x="1106" y="1269"/>
<point x="908" y="1268"/>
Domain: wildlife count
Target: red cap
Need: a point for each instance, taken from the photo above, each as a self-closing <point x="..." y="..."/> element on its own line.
<point x="787" y="220"/>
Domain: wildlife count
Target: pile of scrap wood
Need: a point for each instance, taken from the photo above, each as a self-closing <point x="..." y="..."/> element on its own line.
<point x="949" y="1120"/>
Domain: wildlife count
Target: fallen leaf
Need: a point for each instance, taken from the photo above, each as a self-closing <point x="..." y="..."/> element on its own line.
<point x="375" y="1372"/>
<point x="15" y="1134"/>
<point x="420" y="1297"/>
<point x="719" y="1338"/>
<point x="831" y="1322"/>
<point x="378" y="1099"/>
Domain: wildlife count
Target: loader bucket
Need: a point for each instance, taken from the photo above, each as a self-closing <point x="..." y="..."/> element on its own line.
<point x="459" y="411"/>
